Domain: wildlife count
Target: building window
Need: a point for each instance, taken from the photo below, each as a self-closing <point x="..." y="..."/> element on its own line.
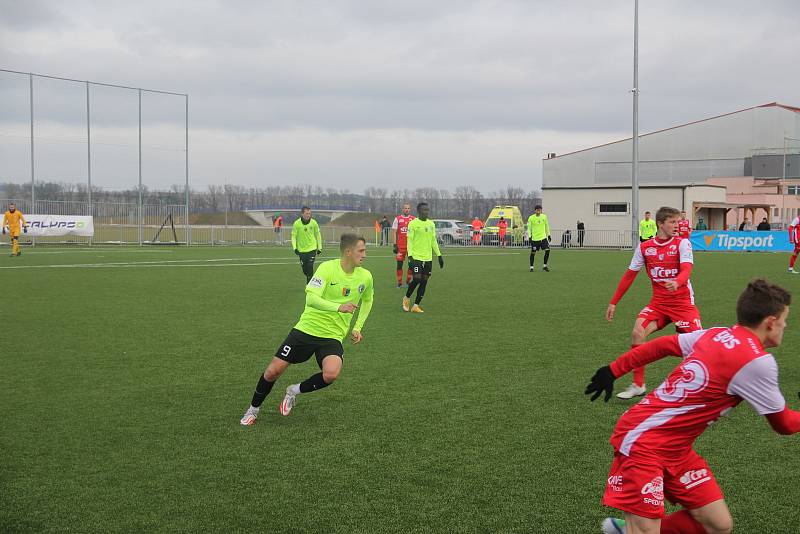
<point x="611" y="208"/>
<point x="793" y="190"/>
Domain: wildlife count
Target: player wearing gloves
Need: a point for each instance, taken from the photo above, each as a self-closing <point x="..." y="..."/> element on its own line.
<point x="422" y="245"/>
<point x="539" y="235"/>
<point x="653" y="441"/>
<point x="335" y="292"/>
<point x="12" y="222"/>
<point x="306" y="241"/>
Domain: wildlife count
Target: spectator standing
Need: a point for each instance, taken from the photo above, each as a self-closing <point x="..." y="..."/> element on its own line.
<point x="746" y="226"/>
<point x="477" y="225"/>
<point x="763" y="226"/>
<point x="701" y="225"/>
<point x="385" y="225"/>
<point x="581" y="233"/>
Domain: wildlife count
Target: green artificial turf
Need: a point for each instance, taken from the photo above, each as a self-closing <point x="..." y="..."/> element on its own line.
<point x="121" y="389"/>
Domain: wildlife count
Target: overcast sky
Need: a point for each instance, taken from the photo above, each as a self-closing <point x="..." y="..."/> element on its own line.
<point x="354" y="93"/>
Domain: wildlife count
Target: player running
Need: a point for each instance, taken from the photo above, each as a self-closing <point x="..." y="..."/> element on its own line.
<point x="684" y="227"/>
<point x="539" y="234"/>
<point x="502" y="226"/>
<point x="12" y="221"/>
<point x="400" y="248"/>
<point x="669" y="261"/>
<point x="306" y="241"/>
<point x="794" y="237"/>
<point x="337" y="290"/>
<point x="422" y="245"/>
<point x="653" y="454"/>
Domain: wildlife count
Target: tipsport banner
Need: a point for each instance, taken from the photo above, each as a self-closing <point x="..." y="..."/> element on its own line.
<point x="725" y="241"/>
<point x="58" y="225"/>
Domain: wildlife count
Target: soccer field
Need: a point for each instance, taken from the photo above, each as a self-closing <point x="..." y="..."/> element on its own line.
<point x="125" y="372"/>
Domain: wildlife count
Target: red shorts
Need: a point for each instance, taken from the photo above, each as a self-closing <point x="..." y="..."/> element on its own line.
<point x="639" y="485"/>
<point x="685" y="316"/>
<point x="402" y="254"/>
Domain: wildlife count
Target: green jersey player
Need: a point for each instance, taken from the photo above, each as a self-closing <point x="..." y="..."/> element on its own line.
<point x="334" y="293"/>
<point x="422" y="246"/>
<point x="306" y="241"/>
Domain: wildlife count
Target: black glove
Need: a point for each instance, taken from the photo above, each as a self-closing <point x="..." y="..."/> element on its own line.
<point x="297" y="252"/>
<point x="441" y="262"/>
<point x="394" y="248"/>
<point x="549" y="239"/>
<point x="603" y="380"/>
<point x="319" y="252"/>
<point x="25" y="229"/>
<point x="4" y="230"/>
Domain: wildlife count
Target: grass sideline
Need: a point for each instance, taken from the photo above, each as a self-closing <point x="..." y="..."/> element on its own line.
<point x="122" y="389"/>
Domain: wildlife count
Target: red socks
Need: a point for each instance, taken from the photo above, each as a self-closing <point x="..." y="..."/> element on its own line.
<point x="792" y="260"/>
<point x="638" y="373"/>
<point x="681" y="523"/>
<point x="399" y="276"/>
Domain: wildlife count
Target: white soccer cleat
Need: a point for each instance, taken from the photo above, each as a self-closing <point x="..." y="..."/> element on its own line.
<point x="792" y="271"/>
<point x="613" y="526"/>
<point x="532" y="268"/>
<point x="288" y="402"/>
<point x="249" y="418"/>
<point x="632" y="391"/>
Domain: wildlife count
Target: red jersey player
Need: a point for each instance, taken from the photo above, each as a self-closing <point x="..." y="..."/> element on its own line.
<point x="400" y="226"/>
<point x="668" y="260"/>
<point x="684" y="228"/>
<point x="794" y="237"/>
<point x="653" y="454"/>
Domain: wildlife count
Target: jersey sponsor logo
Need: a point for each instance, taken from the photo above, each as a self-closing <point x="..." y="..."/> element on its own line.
<point x="316" y="282"/>
<point x="655" y="488"/>
<point x="361" y="288"/>
<point x="615" y="482"/>
<point x="650" y="251"/>
<point x="659" y="273"/>
<point x="727" y="339"/>
<point x="695" y="477"/>
<point x="693" y="379"/>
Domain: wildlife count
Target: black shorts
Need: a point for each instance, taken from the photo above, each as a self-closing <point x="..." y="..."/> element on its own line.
<point x="544" y="244"/>
<point x="299" y="346"/>
<point x="419" y="268"/>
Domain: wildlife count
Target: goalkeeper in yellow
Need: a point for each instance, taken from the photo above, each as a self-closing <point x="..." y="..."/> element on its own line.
<point x="422" y="246"/>
<point x="12" y="221"/>
<point x="335" y="292"/>
<point x="306" y="241"/>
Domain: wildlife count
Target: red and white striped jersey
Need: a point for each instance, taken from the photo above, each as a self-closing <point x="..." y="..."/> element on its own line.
<point x="794" y="231"/>
<point x="721" y="367"/>
<point x="400" y="225"/>
<point x="662" y="261"/>
<point x="684" y="229"/>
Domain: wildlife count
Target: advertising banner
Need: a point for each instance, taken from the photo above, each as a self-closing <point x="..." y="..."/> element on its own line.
<point x="729" y="241"/>
<point x="58" y="225"/>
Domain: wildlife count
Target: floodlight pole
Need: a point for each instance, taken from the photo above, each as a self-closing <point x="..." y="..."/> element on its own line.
<point x="188" y="230"/>
<point x="140" y="168"/>
<point x="88" y="150"/>
<point x="33" y="174"/>
<point x="635" y="137"/>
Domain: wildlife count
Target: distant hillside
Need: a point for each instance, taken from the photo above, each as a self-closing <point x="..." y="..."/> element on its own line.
<point x="357" y="220"/>
<point x="235" y="218"/>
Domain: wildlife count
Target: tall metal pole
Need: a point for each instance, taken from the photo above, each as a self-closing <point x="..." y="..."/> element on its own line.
<point x="89" y="150"/>
<point x="783" y="182"/>
<point x="33" y="174"/>
<point x="635" y="137"/>
<point x="140" y="168"/>
<point x="186" y="150"/>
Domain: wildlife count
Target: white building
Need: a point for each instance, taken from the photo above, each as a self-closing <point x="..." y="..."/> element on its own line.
<point x="594" y="184"/>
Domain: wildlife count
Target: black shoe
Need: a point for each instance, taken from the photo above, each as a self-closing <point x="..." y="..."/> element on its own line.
<point x="399" y="284"/>
<point x="546" y="268"/>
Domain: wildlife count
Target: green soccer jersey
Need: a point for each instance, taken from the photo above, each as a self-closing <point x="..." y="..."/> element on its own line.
<point x="306" y="237"/>
<point x="330" y="288"/>
<point x="538" y="227"/>
<point x="647" y="229"/>
<point x="422" y="240"/>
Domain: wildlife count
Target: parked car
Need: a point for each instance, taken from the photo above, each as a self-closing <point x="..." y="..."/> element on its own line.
<point x="451" y="231"/>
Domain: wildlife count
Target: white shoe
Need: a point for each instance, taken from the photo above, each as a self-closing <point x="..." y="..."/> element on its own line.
<point x="288" y="402"/>
<point x="532" y="268"/>
<point x="792" y="271"/>
<point x="613" y="526"/>
<point x="632" y="391"/>
<point x="249" y="418"/>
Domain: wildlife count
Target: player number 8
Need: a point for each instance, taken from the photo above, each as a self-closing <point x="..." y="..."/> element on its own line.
<point x="286" y="350"/>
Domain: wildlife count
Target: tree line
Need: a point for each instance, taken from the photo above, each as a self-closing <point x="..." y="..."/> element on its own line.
<point x="463" y="202"/>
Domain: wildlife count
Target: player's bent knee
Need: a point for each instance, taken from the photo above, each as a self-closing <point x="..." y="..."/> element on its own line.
<point x="330" y="376"/>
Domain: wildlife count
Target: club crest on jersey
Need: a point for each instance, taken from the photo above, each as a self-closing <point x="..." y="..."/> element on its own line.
<point x="361" y="288"/>
<point x="345" y="291"/>
<point x="660" y="256"/>
<point x="650" y="251"/>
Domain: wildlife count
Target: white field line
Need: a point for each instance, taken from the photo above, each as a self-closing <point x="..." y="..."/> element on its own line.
<point x="214" y="262"/>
